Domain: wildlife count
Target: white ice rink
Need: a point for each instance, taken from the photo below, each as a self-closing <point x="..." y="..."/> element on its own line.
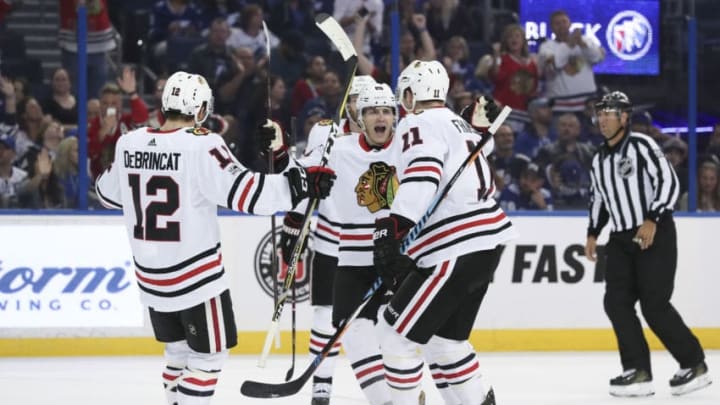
<point x="547" y="378"/>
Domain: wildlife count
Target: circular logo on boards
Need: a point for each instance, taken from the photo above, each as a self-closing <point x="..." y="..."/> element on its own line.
<point x="263" y="268"/>
<point x="629" y="35"/>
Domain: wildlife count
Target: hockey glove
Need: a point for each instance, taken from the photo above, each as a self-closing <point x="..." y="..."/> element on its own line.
<point x="390" y="264"/>
<point x="481" y="113"/>
<point x="270" y="137"/>
<point x="290" y="232"/>
<point x="313" y="182"/>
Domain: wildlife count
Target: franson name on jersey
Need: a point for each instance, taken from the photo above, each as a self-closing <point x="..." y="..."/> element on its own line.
<point x="152" y="160"/>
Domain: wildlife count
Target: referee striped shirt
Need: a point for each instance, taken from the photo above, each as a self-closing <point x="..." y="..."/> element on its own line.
<point x="630" y="182"/>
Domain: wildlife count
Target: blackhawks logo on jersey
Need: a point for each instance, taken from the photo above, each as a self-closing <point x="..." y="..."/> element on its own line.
<point x="264" y="272"/>
<point x="376" y="187"/>
<point x="325" y="122"/>
<point x="199" y="131"/>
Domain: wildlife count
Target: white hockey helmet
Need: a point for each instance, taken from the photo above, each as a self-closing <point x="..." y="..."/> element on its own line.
<point x="427" y="80"/>
<point x="379" y="95"/>
<point x="359" y="83"/>
<point x="186" y="93"/>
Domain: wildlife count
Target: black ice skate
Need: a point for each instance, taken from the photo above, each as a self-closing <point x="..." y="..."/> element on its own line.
<point x="632" y="383"/>
<point x="489" y="398"/>
<point x="690" y="379"/>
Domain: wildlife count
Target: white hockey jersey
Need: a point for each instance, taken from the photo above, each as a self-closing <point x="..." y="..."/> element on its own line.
<point x="169" y="184"/>
<point x="364" y="190"/>
<point x="432" y="145"/>
<point x="327" y="229"/>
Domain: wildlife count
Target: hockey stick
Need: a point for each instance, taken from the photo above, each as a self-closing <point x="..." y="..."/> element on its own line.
<point x="293" y="329"/>
<point x="257" y="389"/>
<point x="271" y="169"/>
<point x="415" y="231"/>
<point x="330" y="27"/>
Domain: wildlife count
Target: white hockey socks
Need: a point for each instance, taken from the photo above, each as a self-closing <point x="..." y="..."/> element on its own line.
<point x="457" y="364"/>
<point x="363" y="350"/>
<point x="320" y="333"/>
<point x="176" y="354"/>
<point x="403" y="365"/>
<point x="199" y="379"/>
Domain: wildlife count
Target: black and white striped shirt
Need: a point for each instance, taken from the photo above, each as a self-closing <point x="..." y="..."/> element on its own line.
<point x="631" y="182"/>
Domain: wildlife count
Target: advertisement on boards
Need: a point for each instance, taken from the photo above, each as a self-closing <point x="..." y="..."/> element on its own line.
<point x="67" y="276"/>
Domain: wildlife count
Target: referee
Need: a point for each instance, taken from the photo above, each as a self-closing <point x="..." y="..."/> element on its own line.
<point x="634" y="187"/>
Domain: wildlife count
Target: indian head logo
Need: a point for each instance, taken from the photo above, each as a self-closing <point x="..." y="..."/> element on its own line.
<point x="376" y="187"/>
<point x="263" y="268"/>
<point x="629" y="35"/>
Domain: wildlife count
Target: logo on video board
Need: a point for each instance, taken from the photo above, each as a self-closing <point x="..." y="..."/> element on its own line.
<point x="629" y="35"/>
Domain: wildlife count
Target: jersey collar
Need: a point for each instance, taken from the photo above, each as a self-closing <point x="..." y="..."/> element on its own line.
<point x="367" y="147"/>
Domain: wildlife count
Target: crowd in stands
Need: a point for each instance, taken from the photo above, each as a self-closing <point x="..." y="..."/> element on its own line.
<point x="542" y="155"/>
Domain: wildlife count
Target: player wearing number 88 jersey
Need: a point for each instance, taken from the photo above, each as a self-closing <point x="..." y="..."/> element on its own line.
<point x="456" y="252"/>
<point x="169" y="182"/>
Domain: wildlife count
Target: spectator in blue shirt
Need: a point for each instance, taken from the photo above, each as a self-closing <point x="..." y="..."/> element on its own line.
<point x="539" y="132"/>
<point x="528" y="193"/>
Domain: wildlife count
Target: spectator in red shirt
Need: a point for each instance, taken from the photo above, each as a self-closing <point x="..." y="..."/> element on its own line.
<point x="512" y="69"/>
<point x="308" y="88"/>
<point x="105" y="130"/>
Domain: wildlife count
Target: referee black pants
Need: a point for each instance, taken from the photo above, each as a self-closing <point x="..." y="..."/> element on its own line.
<point x="647" y="276"/>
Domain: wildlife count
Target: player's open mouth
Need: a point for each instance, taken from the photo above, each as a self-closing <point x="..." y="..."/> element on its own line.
<point x="380" y="129"/>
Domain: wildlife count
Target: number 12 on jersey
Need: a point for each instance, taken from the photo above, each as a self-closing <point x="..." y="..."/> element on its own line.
<point x="146" y="220"/>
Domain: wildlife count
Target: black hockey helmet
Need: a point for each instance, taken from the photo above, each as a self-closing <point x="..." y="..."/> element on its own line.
<point x="615" y="101"/>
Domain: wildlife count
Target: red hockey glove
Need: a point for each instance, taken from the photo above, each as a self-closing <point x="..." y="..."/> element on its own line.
<point x="292" y="224"/>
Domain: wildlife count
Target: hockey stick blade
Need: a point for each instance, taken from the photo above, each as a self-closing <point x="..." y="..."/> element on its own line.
<point x="330" y="27"/>
<point x="415" y="230"/>
<point x="258" y="389"/>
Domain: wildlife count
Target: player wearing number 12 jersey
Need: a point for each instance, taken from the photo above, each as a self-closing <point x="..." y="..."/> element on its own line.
<point x="456" y="252"/>
<point x="169" y="182"/>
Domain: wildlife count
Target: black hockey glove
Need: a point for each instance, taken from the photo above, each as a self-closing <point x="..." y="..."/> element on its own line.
<point x="313" y="182"/>
<point x="481" y="113"/>
<point x="390" y="265"/>
<point x="270" y="136"/>
<point x="292" y="223"/>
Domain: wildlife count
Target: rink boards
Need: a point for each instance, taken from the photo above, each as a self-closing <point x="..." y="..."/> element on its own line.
<point x="67" y="287"/>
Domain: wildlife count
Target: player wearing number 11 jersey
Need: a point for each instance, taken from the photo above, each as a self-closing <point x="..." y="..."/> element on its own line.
<point x="456" y="252"/>
<point x="169" y="182"/>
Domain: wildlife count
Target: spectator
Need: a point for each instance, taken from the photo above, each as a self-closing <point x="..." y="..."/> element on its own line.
<point x="251" y="34"/>
<point x="12" y="179"/>
<point x="292" y="15"/>
<point x="220" y="67"/>
<point x="156" y="117"/>
<point x="568" y="133"/>
<point x="65" y="167"/>
<point x="210" y="10"/>
<point x="566" y="64"/>
<point x="506" y="164"/>
<point x="708" y="192"/>
<point x="309" y="87"/>
<point x="278" y="102"/>
<point x="511" y="69"/>
<point x="288" y="60"/>
<point x="676" y="151"/>
<point x="171" y="18"/>
<point x="641" y="121"/>
<point x="42" y="189"/>
<point x="329" y="99"/>
<point x="409" y="49"/>
<point x="539" y="132"/>
<point x="569" y="182"/>
<point x="713" y="146"/>
<point x="447" y="19"/>
<point x="32" y="122"/>
<point x="8" y="122"/>
<point x="528" y="193"/>
<point x="100" y="41"/>
<point x="457" y="62"/>
<point x="590" y="132"/>
<point x="61" y="105"/>
<point x="105" y="130"/>
<point x="349" y="12"/>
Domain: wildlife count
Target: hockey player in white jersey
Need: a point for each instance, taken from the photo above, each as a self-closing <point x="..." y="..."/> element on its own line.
<point x="325" y="236"/>
<point x="169" y="182"/>
<point x="457" y="251"/>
